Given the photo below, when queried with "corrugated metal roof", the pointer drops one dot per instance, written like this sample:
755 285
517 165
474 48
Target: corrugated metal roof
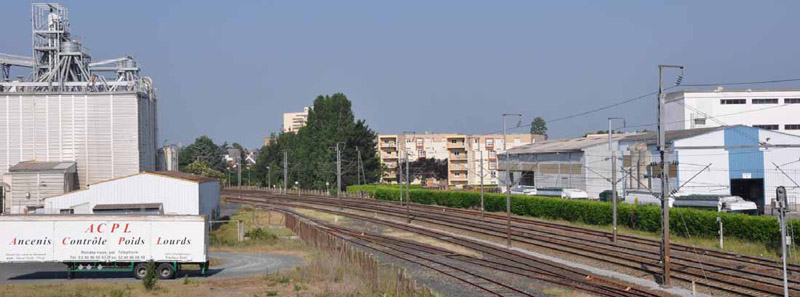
650 137
564 145
127 206
34 166
184 176
578 144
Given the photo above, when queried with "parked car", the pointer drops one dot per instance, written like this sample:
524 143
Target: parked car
523 190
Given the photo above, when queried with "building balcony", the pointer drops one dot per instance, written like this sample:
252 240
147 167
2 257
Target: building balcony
391 165
456 145
388 145
459 157
460 166
388 156
460 177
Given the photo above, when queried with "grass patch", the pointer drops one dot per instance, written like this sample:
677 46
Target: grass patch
731 244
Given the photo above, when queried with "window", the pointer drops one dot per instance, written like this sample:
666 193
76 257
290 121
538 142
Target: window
456 174
408 140
421 153
477 141
791 101
766 127
492 154
453 141
765 101
699 121
490 142
492 165
457 153
494 174
791 127
67 211
732 101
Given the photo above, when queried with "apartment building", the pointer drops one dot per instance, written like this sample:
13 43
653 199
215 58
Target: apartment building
293 121
774 110
463 153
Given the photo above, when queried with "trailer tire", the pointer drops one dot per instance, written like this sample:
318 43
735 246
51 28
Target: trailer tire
165 271
140 270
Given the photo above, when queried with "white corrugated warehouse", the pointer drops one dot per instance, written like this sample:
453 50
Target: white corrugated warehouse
177 192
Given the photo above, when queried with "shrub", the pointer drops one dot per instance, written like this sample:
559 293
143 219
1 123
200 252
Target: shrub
261 235
683 221
151 278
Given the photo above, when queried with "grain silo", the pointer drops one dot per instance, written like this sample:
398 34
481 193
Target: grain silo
101 115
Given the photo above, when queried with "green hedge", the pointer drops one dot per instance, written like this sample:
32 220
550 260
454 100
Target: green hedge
683 221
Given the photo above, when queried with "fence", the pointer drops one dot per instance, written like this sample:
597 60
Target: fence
370 271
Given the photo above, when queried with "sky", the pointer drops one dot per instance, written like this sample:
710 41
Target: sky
230 69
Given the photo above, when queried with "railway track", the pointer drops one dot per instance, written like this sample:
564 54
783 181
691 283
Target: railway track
743 275
507 261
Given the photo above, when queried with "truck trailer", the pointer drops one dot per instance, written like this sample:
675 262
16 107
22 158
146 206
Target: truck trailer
107 243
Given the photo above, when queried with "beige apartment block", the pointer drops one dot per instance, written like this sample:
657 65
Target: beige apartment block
463 153
293 121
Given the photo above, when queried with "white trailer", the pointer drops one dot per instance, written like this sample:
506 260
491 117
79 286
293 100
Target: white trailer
100 243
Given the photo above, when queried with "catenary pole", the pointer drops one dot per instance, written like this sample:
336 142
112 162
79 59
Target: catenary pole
482 203
339 174
408 179
285 174
662 150
613 157
508 180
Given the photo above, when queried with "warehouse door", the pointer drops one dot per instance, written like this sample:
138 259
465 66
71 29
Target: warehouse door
750 190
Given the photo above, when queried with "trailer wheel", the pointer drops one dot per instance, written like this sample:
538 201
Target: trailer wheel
165 271
140 270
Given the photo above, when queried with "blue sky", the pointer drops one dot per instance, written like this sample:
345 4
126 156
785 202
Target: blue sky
229 69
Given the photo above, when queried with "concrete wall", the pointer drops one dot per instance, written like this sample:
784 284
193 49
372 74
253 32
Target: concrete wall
707 104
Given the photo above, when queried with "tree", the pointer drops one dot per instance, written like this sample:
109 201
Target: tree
201 168
539 126
424 168
204 149
312 151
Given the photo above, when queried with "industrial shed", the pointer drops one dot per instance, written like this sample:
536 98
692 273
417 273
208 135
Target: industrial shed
734 160
575 163
28 183
175 192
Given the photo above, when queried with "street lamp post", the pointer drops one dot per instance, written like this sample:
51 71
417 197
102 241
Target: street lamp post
613 178
508 179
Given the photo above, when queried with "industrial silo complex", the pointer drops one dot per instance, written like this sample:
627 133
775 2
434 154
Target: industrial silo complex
99 115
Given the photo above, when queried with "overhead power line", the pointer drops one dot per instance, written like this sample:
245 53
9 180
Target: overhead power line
636 98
